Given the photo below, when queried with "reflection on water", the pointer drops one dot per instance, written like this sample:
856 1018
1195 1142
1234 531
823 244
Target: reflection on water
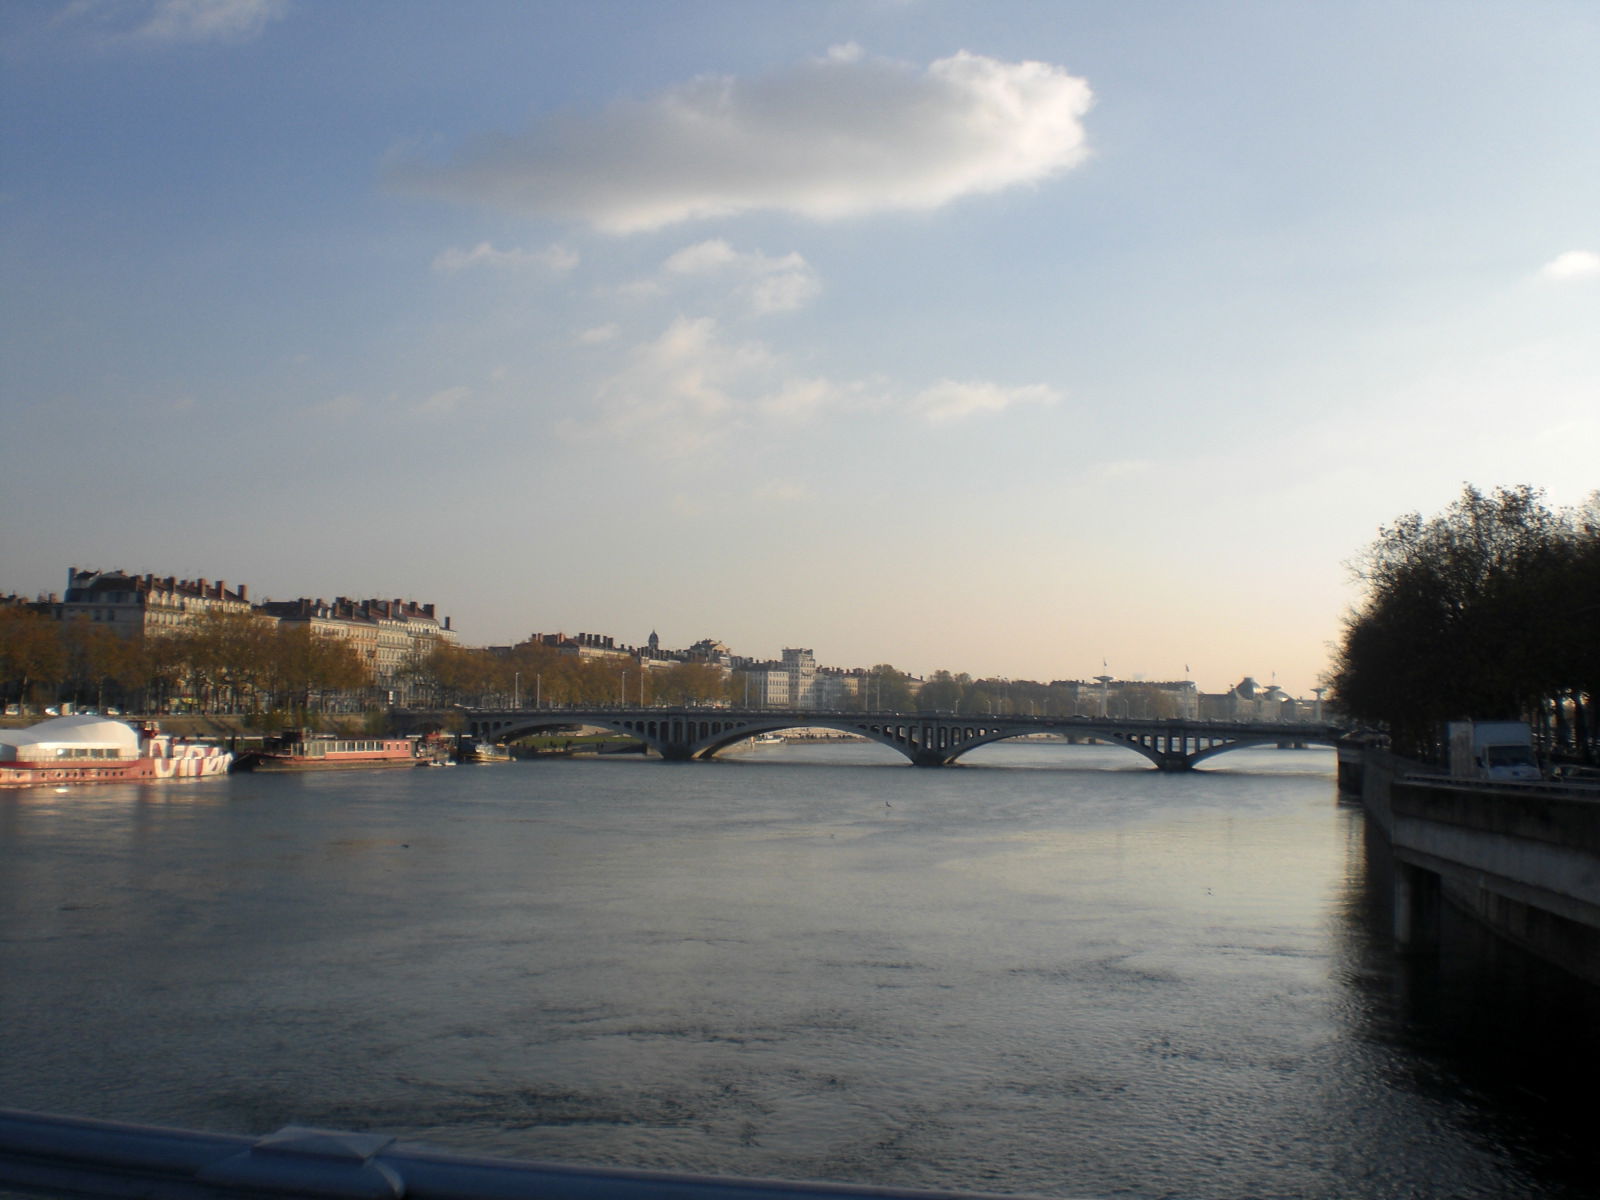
1050 971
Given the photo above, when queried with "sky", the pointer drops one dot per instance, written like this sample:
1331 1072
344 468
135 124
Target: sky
1026 339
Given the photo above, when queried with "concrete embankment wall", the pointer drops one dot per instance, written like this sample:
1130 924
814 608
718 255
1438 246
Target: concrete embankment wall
211 727
1522 859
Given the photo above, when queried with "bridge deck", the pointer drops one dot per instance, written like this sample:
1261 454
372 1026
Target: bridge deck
926 739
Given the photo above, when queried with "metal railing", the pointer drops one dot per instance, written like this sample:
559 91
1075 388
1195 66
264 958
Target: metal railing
49 1155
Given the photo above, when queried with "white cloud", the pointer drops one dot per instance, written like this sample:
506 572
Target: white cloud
801 399
682 389
836 136
690 387
949 400
556 259
1574 264
701 258
783 291
178 21
768 284
1120 469
598 335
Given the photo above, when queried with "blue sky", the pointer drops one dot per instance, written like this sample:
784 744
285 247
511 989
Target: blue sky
1010 338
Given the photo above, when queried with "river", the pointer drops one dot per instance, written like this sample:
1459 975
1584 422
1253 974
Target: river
1049 971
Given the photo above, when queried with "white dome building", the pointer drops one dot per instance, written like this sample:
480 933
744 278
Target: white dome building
70 737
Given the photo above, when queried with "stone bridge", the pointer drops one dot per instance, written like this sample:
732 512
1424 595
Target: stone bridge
926 739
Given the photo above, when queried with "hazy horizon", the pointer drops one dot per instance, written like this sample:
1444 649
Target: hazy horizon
1010 339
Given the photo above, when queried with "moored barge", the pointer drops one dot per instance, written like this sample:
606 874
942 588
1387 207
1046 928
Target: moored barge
302 750
85 749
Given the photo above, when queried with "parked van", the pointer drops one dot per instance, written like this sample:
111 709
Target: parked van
1501 750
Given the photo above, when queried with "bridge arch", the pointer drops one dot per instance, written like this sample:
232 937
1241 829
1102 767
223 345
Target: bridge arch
1005 735
1246 743
1166 753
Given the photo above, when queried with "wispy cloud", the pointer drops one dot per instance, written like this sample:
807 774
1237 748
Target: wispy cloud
949 400
691 387
1574 264
1116 469
598 334
556 259
837 136
765 283
177 21
800 400
683 388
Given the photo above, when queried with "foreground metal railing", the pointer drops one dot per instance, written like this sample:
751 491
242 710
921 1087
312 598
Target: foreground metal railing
75 1156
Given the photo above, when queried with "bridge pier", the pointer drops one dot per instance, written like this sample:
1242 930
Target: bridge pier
1416 908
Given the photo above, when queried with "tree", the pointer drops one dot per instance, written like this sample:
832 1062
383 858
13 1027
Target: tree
687 683
31 652
102 666
306 666
888 690
1485 611
942 692
228 657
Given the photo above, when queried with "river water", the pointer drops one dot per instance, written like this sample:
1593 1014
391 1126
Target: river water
1049 971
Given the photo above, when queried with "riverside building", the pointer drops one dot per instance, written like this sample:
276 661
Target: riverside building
138 606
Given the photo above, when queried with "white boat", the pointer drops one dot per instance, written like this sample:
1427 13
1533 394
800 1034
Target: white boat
93 749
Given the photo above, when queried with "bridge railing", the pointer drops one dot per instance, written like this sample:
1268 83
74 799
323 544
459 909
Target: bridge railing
61 1156
801 714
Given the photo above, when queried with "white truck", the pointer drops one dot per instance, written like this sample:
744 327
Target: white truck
1499 750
